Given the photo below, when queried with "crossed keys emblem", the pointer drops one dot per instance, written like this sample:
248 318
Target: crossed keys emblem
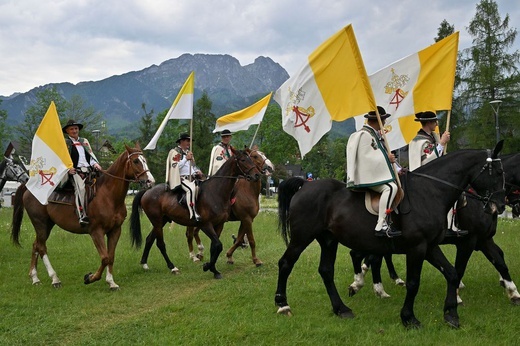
301 114
46 175
394 87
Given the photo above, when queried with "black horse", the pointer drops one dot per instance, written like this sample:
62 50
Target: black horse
328 212
12 171
481 229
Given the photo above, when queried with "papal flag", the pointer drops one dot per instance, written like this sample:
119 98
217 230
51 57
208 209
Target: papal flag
50 158
419 82
332 85
242 119
182 108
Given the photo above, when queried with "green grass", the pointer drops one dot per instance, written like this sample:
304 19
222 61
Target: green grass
157 308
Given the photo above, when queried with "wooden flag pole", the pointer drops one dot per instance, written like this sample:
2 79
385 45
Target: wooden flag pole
447 129
191 143
254 137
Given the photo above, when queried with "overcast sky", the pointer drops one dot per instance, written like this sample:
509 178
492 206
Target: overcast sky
52 41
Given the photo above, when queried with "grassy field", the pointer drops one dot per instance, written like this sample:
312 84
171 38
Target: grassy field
158 308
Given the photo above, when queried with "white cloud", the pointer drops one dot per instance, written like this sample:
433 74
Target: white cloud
71 41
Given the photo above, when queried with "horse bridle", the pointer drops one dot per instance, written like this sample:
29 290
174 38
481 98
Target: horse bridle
468 190
128 163
11 166
244 175
263 162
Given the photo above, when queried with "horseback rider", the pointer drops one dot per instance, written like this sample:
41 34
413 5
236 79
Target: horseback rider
427 146
369 165
220 152
181 169
83 161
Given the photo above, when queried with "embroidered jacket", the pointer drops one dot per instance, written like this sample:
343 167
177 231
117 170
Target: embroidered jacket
423 149
219 155
368 163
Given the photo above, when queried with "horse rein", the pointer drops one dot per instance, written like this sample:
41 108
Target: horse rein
243 176
136 179
469 191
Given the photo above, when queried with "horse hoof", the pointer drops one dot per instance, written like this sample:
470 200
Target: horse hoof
400 282
284 310
452 321
175 271
195 259
145 266
37 283
199 257
412 324
217 276
114 288
205 267
346 314
86 278
515 301
351 291
230 261
56 285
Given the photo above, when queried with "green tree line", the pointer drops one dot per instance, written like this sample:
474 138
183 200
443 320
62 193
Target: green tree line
487 71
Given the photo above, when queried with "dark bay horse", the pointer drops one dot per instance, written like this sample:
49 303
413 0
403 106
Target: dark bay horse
328 212
481 229
12 171
244 208
106 211
163 205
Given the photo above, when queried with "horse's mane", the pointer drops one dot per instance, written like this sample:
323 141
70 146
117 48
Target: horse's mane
2 165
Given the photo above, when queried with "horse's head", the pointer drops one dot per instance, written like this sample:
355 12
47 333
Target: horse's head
490 182
263 164
246 165
137 168
15 172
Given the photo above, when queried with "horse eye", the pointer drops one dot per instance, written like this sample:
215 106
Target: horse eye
135 161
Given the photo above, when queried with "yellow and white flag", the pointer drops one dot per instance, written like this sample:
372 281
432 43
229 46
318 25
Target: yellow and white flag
241 120
332 85
182 108
420 82
50 158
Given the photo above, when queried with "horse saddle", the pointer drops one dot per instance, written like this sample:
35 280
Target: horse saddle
65 194
372 199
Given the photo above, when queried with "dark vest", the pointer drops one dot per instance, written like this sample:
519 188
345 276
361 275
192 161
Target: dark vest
73 151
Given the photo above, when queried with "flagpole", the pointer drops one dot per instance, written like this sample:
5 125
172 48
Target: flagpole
447 129
254 137
191 142
382 130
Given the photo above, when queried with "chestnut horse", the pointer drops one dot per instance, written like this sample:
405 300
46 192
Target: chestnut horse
163 205
245 208
324 210
106 211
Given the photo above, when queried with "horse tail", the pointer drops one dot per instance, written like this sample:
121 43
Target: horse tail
135 220
286 190
18 208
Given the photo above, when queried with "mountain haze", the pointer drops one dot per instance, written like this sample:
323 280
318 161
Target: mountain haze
229 85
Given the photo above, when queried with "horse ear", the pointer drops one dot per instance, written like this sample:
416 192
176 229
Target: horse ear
127 148
497 149
138 145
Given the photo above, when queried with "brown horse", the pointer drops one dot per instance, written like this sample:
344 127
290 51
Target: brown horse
106 211
163 205
245 208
